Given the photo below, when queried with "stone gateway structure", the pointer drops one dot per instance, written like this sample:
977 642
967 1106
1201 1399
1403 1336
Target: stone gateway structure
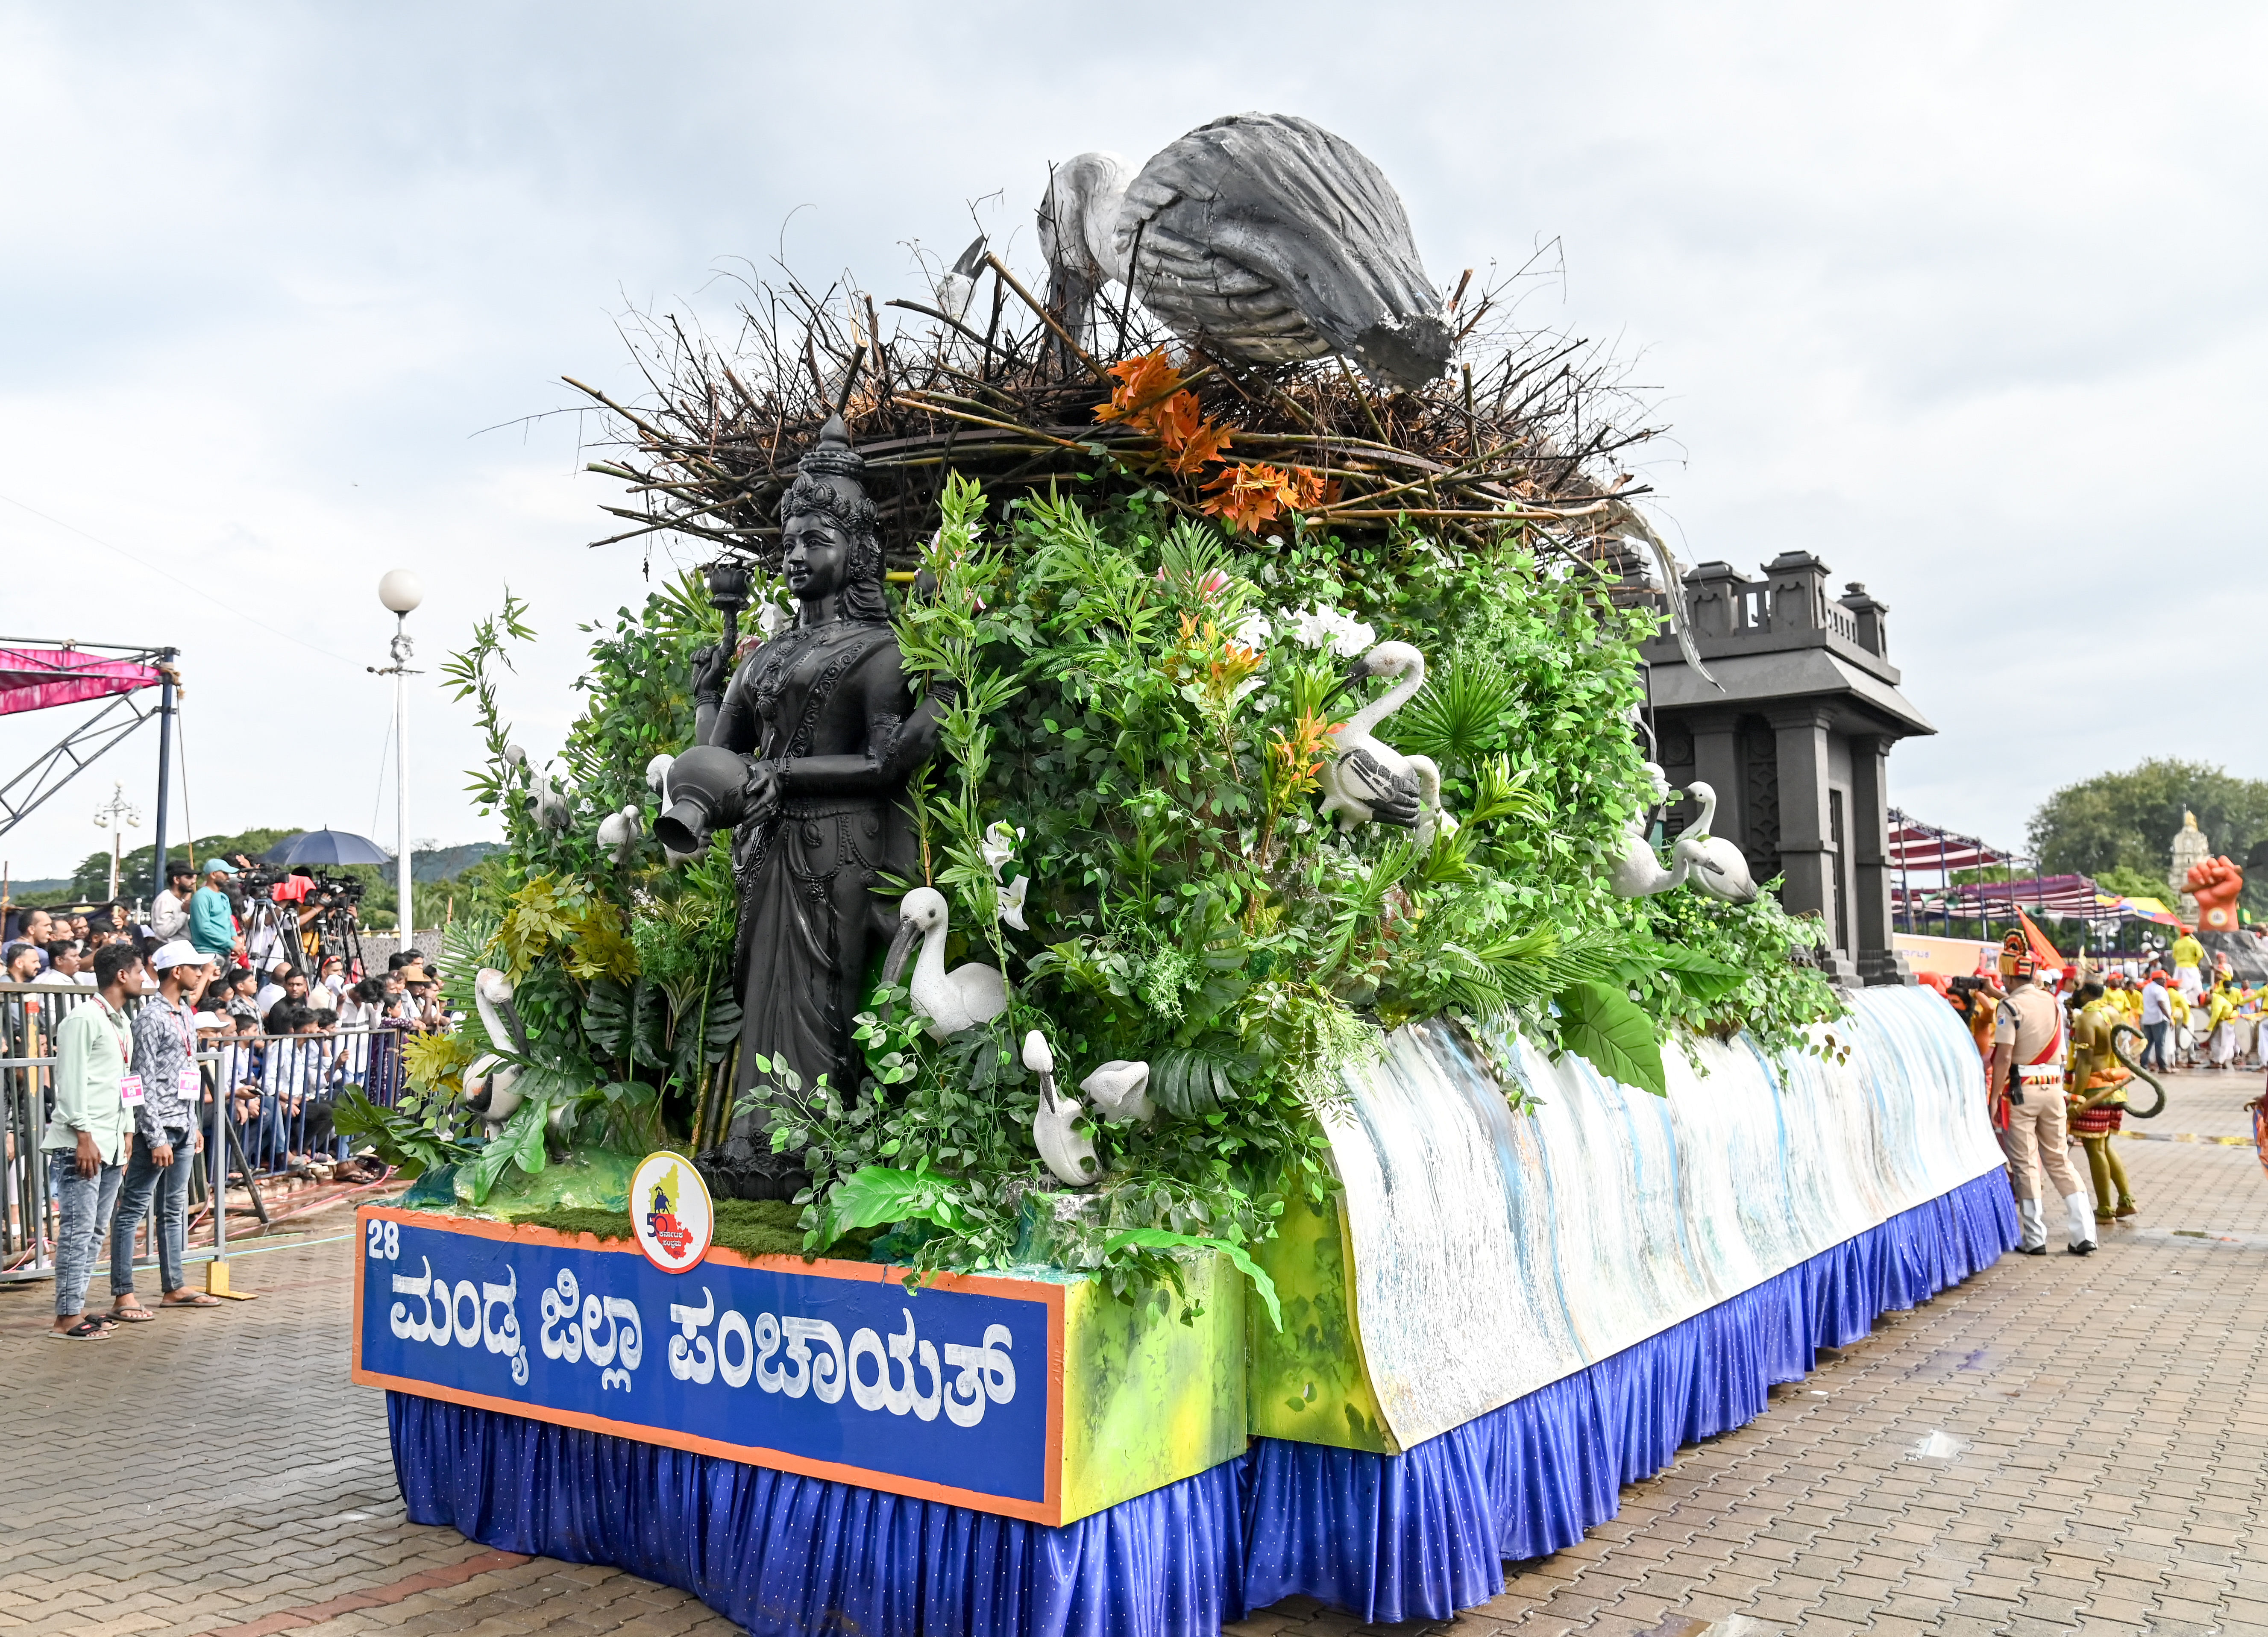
1795 741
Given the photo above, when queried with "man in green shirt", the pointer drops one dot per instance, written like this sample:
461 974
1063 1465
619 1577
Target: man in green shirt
88 1130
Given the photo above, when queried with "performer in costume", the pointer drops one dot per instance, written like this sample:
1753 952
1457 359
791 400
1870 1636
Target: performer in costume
2098 1098
2188 957
824 713
2221 1025
2027 1073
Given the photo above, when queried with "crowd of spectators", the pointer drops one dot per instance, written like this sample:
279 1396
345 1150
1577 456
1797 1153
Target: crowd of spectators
271 1031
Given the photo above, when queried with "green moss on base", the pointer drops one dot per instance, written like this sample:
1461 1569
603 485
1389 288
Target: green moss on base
755 1227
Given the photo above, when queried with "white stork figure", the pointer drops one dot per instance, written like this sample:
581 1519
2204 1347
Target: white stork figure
962 999
488 1078
1715 865
1055 1126
1368 779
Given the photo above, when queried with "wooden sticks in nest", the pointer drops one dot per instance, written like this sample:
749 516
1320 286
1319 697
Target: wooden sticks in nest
1530 438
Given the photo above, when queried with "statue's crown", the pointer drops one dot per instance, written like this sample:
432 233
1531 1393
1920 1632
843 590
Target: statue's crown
832 456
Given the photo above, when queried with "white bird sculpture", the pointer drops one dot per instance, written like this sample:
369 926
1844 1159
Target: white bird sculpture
656 776
553 809
489 1079
956 285
1121 1090
619 832
1055 1126
1638 872
1368 781
1715 865
962 999
1262 236
1433 819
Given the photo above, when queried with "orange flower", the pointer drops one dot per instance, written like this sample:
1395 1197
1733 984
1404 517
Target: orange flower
1299 755
1251 497
1149 397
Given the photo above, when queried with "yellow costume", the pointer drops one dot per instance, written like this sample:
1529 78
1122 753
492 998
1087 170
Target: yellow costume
2097 1101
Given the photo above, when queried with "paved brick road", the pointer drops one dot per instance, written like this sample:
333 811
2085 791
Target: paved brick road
2060 1446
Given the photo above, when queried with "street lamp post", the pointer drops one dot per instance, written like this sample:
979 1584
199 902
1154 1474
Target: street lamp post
401 590
114 815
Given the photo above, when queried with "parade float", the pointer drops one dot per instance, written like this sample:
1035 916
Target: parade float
1131 1047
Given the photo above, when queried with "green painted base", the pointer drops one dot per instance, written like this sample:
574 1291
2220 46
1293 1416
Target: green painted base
1309 1381
1153 1391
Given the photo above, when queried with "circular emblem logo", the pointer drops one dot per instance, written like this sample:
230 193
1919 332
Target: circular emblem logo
670 1211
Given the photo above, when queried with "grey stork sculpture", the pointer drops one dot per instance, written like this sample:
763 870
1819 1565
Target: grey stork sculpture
1261 236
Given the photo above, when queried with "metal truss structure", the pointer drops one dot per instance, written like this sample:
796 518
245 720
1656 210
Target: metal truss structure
116 718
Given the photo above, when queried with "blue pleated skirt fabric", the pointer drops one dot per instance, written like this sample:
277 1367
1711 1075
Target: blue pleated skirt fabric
1415 1535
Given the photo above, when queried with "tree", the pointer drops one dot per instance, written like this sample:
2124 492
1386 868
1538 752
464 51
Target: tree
2128 822
92 876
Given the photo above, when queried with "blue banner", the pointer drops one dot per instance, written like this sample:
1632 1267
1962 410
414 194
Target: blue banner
942 1392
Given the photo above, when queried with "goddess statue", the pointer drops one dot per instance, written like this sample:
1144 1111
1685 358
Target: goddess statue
823 733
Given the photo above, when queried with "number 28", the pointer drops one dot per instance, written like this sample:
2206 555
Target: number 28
385 1241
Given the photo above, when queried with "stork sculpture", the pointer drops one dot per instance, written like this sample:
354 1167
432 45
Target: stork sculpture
962 999
1711 862
1067 1152
1262 236
489 1078
1369 779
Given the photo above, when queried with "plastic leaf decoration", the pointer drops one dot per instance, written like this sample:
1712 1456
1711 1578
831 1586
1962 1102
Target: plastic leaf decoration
1601 1024
1160 1239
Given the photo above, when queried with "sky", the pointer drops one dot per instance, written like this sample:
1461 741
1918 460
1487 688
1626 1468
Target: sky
1966 299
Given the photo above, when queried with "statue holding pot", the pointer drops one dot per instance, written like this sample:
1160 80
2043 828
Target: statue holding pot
804 753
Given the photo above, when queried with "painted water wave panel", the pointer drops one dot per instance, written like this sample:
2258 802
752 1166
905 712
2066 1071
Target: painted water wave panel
1494 1254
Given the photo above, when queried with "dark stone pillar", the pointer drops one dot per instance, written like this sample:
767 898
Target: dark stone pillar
1715 764
1870 881
1806 847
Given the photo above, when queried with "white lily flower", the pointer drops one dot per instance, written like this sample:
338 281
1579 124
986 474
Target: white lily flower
1011 902
999 844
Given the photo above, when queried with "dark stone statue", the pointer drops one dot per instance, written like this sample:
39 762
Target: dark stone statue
823 732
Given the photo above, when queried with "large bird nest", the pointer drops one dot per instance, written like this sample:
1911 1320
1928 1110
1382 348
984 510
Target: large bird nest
1529 433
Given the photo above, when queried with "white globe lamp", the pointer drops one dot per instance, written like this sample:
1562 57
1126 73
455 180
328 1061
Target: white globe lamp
402 590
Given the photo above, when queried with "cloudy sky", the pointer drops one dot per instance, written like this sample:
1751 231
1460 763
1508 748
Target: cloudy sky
1965 298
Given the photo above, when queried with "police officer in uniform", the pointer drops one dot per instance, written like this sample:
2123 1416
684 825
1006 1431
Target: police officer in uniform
2028 1070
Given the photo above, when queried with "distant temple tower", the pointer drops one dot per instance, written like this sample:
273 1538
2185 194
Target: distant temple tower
2190 849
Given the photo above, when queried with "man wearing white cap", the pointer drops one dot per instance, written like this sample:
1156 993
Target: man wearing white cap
165 1132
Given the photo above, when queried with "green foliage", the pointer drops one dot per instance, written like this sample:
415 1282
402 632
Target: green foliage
89 881
1133 708
1599 1022
2132 883
1158 1239
2128 822
621 968
399 1136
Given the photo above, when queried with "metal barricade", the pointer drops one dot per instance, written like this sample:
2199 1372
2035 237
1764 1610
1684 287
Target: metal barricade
266 1111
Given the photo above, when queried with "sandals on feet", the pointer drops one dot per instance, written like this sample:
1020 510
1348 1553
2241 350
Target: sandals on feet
86 1330
196 1299
131 1315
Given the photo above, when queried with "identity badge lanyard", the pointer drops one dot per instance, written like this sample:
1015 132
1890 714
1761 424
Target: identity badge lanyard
129 1084
185 1080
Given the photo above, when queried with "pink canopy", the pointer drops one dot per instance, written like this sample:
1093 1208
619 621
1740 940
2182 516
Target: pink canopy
33 679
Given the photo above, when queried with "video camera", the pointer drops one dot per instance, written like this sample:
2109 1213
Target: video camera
336 892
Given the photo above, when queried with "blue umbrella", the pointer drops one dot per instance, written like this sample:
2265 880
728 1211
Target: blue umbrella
325 847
